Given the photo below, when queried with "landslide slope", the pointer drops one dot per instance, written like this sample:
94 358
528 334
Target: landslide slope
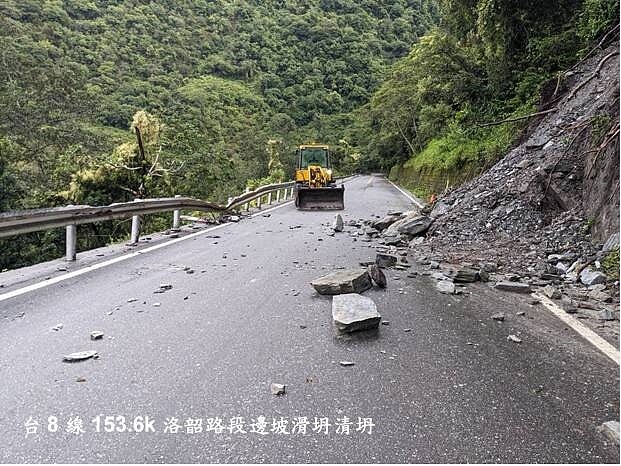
556 192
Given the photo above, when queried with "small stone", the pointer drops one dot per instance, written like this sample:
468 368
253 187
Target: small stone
521 313
516 287
57 327
157 304
385 322
434 265
514 339
79 356
347 363
165 286
446 287
499 317
551 292
385 260
96 335
377 275
406 330
80 379
337 226
606 314
466 275
611 430
278 389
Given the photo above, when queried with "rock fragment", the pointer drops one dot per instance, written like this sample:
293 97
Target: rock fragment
377 275
383 259
516 287
466 275
347 363
352 312
278 389
551 292
498 316
514 339
446 287
611 430
337 226
57 327
79 356
590 277
343 281
96 335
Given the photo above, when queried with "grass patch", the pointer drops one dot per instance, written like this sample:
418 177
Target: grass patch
611 264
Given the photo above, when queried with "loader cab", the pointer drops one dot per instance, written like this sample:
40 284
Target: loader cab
313 155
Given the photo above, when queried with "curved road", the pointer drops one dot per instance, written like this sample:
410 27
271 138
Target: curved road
451 389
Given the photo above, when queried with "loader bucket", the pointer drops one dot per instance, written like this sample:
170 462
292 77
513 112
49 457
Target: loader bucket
329 198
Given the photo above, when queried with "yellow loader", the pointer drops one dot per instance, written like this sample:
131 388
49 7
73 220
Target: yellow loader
315 187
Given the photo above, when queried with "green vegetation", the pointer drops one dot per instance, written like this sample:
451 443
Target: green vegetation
611 264
221 91
486 61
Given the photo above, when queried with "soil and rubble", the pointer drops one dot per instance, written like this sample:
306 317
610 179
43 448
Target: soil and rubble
541 220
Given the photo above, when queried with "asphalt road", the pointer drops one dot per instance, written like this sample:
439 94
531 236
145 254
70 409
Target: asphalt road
452 389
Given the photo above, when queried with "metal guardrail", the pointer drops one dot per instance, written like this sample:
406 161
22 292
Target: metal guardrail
26 221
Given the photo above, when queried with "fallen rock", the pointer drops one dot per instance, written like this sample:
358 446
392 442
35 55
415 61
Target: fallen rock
385 222
499 317
278 389
516 287
416 226
466 275
611 430
337 226
385 260
446 287
347 363
352 312
79 356
377 275
96 335
514 339
343 281
551 292
606 314
57 327
591 277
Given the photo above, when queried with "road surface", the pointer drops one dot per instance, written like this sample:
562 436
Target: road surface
451 389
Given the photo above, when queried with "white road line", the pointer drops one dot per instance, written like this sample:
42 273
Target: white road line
90 268
580 328
408 195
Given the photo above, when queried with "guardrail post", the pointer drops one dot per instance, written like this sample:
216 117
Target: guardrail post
277 196
71 236
290 193
135 228
259 202
269 198
176 217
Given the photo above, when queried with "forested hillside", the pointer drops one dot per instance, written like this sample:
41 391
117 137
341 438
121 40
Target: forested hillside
486 61
220 92
220 87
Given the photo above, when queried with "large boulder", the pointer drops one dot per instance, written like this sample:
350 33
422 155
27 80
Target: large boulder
383 259
352 312
415 226
343 281
393 230
385 222
592 277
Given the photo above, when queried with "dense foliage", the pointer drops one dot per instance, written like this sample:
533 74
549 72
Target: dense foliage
228 85
486 60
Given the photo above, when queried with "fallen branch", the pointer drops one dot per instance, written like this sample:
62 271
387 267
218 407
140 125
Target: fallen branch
595 73
583 59
509 120
610 137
